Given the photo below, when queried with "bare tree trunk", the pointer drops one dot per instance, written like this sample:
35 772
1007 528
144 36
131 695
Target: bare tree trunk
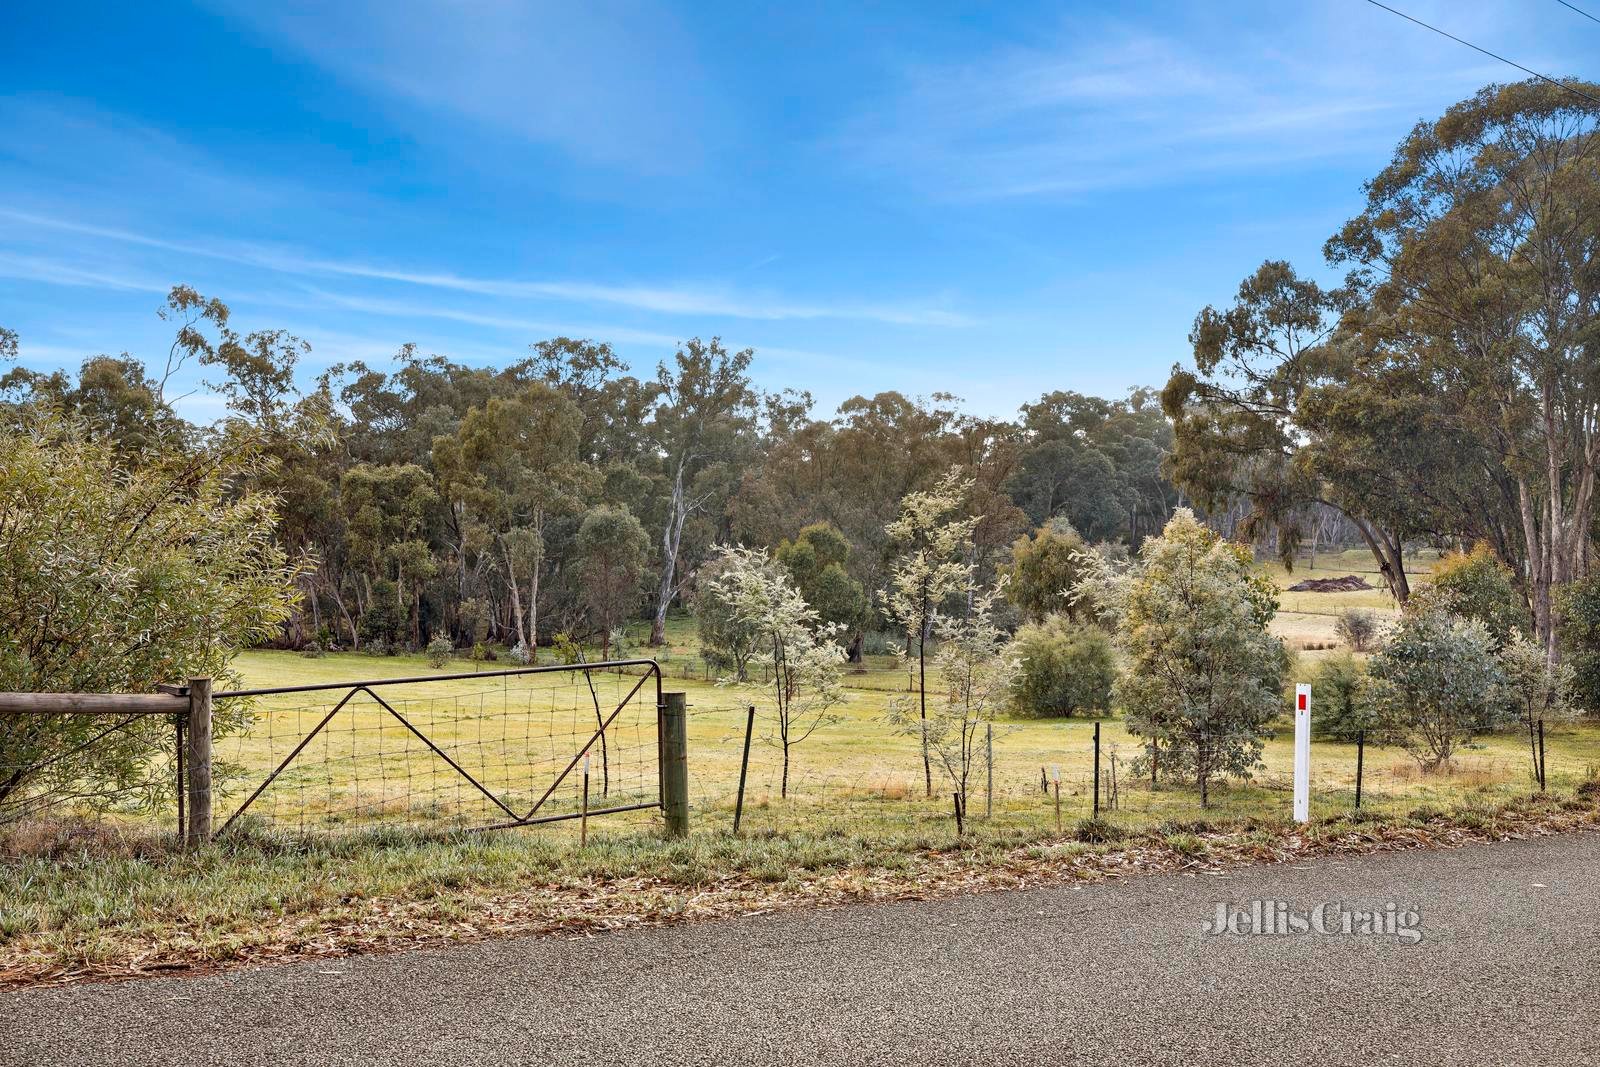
355 636
533 610
1538 575
671 539
1390 556
533 585
516 593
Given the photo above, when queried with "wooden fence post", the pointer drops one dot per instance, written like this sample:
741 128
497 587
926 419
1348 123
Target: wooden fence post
197 772
675 763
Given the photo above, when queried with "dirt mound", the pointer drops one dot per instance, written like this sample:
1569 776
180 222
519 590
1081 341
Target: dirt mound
1348 584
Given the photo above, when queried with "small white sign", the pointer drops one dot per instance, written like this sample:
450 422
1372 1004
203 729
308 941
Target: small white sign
1302 753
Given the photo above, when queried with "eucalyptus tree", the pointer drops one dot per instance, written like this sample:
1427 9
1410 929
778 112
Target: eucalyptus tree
515 464
611 549
703 421
1476 251
817 559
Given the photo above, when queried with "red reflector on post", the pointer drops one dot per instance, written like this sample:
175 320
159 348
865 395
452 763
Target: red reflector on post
1302 699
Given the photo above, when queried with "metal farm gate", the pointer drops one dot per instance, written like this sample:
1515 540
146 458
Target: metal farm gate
481 750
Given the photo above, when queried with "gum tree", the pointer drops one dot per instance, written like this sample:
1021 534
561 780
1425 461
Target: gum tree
1202 676
1475 253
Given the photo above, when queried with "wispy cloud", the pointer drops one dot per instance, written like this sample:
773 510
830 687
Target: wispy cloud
40 269
675 300
609 82
1103 105
397 309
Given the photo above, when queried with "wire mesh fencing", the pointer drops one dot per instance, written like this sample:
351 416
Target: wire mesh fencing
864 774
478 750
510 748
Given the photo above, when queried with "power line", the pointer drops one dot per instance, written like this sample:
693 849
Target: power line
1526 70
1579 10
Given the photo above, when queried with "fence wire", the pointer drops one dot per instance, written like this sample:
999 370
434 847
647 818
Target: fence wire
446 754
864 775
453 752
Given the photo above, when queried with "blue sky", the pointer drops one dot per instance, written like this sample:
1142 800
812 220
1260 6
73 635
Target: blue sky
991 200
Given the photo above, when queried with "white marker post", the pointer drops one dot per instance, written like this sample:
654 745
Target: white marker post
1302 753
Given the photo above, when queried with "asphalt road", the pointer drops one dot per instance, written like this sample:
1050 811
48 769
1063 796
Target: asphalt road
1508 971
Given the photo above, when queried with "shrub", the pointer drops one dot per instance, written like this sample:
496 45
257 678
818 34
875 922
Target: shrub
1339 712
1203 674
313 650
568 649
120 575
1099 831
880 643
1476 585
520 655
439 651
1436 683
376 646
1579 607
1067 668
1358 628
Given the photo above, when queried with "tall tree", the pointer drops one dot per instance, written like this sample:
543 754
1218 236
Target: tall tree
704 417
816 560
612 548
516 463
1476 249
1240 430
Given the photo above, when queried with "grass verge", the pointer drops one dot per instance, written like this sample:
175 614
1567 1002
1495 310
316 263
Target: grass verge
89 902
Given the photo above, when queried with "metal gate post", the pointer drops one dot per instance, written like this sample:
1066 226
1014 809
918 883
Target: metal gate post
675 763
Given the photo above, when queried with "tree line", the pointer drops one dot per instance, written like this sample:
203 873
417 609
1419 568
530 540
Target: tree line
565 493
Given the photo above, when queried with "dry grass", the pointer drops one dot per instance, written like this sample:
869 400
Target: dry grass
112 897
100 910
